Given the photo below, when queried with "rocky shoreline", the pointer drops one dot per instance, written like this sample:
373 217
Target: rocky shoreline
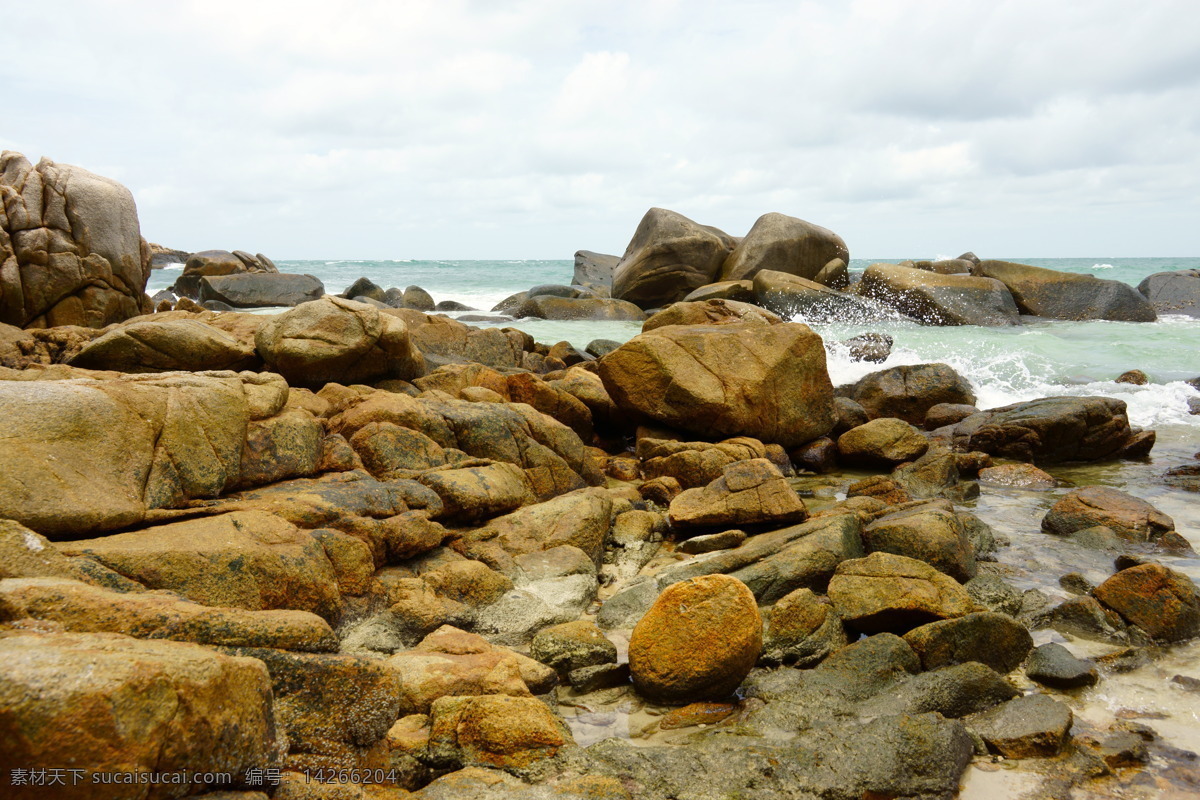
359 549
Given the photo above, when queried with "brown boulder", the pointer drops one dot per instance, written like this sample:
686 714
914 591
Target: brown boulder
71 250
909 391
1068 295
1159 600
684 377
882 442
697 642
1017 476
890 593
802 629
668 257
934 298
749 492
783 244
994 640
710 312
1129 517
478 493
495 731
161 346
929 532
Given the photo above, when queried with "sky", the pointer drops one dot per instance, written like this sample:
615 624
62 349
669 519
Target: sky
530 129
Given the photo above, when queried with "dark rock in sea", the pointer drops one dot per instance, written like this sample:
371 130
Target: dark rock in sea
162 256
601 347
453 305
943 414
668 257
1033 726
1133 376
784 244
365 287
254 290
556 290
415 297
598 677
873 347
1068 295
1083 617
1173 292
909 391
1053 665
554 307
969 256
1055 429
1186 477
594 269
936 299
1076 583
794 297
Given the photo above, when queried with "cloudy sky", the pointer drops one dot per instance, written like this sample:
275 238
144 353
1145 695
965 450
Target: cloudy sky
533 128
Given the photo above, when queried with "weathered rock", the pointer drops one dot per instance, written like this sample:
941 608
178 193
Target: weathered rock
947 266
909 391
882 442
819 455
154 346
995 640
712 542
1055 429
1134 377
571 646
992 593
886 592
1053 665
109 704
1159 600
288 445
508 733
695 463
1175 292
244 559
338 340
601 347
203 264
668 257
579 519
364 287
741 291
944 414
710 312
681 377
929 532
873 347
71 251
416 298
802 629
260 289
749 492
784 244
594 269
847 414
1067 295
697 642
1033 726
478 493
25 554
880 487
793 297
937 299
1131 518
1017 476
595 308
1083 617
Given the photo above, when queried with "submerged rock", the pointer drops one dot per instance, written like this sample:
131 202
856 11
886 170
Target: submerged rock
1033 726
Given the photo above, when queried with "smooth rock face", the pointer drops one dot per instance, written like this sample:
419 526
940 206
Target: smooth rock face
594 269
749 492
783 244
1162 602
154 346
1068 295
937 299
668 257
886 592
550 307
1052 665
930 532
1173 292
1033 726
105 703
741 291
909 391
338 340
71 250
882 442
680 376
1051 430
697 642
1131 518
710 312
995 640
260 289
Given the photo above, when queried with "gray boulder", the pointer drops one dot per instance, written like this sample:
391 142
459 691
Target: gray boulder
594 269
1173 292
1068 295
261 289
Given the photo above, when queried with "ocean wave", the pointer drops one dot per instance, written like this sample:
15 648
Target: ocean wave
1104 266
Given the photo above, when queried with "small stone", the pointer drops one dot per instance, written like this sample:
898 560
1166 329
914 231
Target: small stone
571 646
598 677
1133 376
1033 726
1123 749
725 540
1075 583
1053 665
1017 476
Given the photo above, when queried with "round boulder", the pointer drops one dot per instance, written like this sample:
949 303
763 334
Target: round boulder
882 442
909 391
783 244
697 642
1129 517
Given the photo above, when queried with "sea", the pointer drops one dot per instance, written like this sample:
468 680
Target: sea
1005 365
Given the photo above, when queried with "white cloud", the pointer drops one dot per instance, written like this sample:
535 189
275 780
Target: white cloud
464 128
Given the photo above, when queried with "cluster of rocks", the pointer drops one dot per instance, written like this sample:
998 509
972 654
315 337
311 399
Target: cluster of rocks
370 551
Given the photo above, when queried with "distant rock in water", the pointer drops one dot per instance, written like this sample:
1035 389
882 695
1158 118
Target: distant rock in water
162 256
1068 295
594 269
1173 292
215 263
940 299
785 244
71 250
257 290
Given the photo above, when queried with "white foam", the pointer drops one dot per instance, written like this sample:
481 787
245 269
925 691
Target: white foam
1103 266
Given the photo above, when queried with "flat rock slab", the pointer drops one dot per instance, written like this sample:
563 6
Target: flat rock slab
1033 726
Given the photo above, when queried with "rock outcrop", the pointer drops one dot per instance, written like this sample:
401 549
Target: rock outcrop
1067 295
937 299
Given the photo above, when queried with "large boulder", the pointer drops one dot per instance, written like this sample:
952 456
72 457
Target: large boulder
890 593
909 391
1173 292
152 345
783 244
594 270
1054 429
882 442
71 250
1131 518
929 532
668 257
697 642
769 382
203 264
1067 295
794 297
937 299
109 705
995 640
333 339
751 492
261 289
593 308
710 312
